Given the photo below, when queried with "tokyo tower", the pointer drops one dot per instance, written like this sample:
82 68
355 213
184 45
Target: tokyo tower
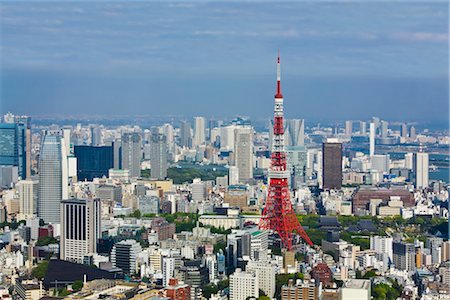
278 214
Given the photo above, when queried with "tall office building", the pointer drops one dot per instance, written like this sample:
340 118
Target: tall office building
124 255
66 133
233 175
168 132
295 133
404 130
332 165
380 162
15 147
168 269
384 129
243 152
185 134
404 256
372 139
412 133
199 131
53 176
80 228
93 161
28 198
158 156
265 273
243 285
420 169
362 127
348 128
132 153
96 136
296 160
382 244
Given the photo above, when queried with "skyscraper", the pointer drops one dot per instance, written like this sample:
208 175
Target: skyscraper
131 153
332 165
199 131
93 161
404 256
96 136
80 228
28 198
384 129
295 132
13 146
348 128
158 156
372 139
404 130
420 169
362 127
53 176
243 151
185 134
412 133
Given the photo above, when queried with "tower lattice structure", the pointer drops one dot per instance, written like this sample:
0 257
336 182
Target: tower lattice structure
278 214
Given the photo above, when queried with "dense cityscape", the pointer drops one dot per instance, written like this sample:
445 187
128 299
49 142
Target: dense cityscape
224 150
213 209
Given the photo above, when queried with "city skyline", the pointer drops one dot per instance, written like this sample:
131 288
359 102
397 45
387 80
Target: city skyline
74 59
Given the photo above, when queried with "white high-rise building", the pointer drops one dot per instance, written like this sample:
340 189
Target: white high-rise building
362 127
382 244
199 131
198 190
227 137
372 139
168 268
348 128
266 276
28 198
295 133
420 165
243 285
168 131
233 175
380 162
243 152
80 228
409 161
53 176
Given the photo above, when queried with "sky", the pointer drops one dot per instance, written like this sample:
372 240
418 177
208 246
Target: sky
340 60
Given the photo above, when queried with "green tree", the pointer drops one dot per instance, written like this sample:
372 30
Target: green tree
46 240
136 214
209 290
40 270
77 285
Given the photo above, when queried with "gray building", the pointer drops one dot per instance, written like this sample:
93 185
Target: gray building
124 255
53 177
80 228
185 134
132 153
404 256
158 156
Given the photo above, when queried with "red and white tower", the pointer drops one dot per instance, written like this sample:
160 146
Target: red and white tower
278 214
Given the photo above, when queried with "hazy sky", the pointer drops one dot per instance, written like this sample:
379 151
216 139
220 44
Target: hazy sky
348 60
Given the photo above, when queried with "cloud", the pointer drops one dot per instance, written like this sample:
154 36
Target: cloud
420 36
